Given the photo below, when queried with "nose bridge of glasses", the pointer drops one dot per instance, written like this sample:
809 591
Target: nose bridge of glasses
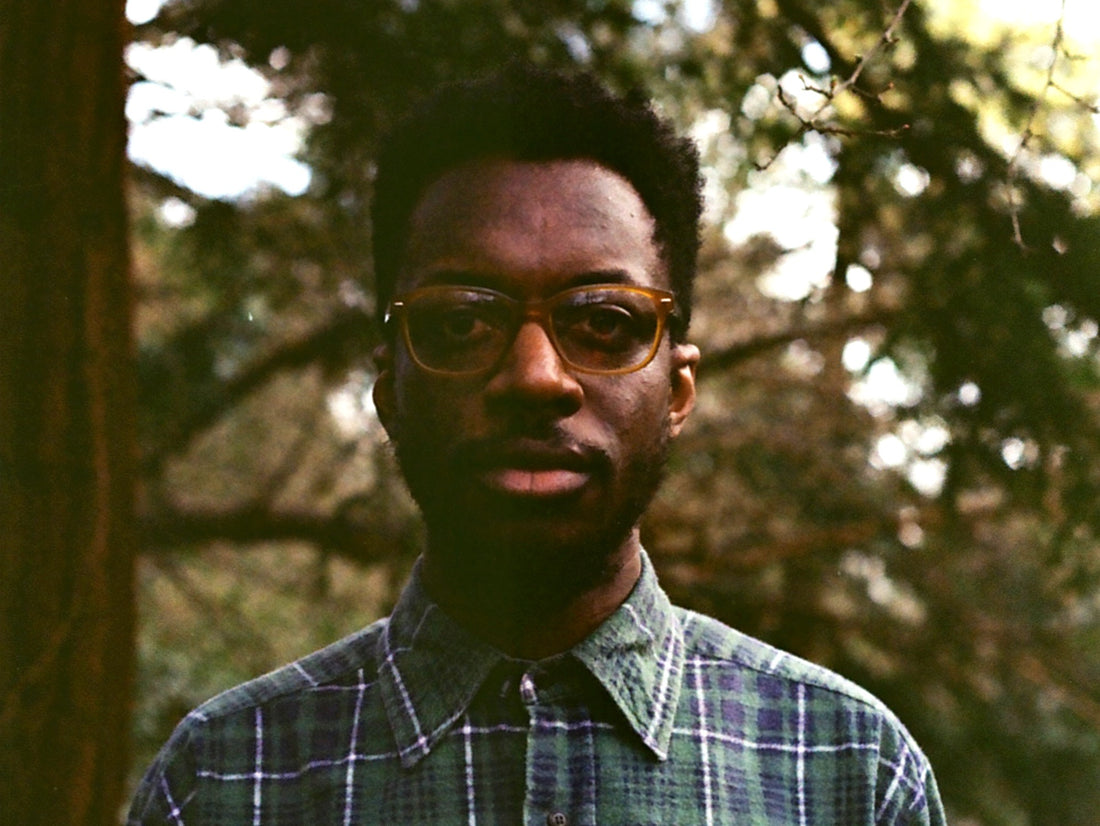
536 313
534 330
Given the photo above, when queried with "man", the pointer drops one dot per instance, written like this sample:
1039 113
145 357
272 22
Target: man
535 242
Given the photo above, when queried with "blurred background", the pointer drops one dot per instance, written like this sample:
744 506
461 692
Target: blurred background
894 464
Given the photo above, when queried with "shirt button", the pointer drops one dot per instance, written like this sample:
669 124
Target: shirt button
527 689
557 819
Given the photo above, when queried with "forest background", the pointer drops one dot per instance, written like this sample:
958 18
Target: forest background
892 470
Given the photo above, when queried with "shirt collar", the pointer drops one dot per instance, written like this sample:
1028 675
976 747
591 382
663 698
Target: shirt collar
430 668
637 654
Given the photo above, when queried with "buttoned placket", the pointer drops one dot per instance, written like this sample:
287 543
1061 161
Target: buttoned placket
561 783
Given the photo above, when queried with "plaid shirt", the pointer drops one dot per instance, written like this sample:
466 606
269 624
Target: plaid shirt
661 716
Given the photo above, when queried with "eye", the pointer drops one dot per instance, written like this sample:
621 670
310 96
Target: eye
462 323
606 321
606 326
445 325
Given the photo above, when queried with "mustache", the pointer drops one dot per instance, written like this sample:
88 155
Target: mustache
546 450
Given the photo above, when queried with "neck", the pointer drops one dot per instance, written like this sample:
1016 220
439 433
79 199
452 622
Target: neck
525 612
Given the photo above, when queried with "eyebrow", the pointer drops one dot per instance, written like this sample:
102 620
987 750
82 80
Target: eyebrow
612 276
498 282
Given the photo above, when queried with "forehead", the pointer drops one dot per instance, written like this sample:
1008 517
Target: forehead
531 224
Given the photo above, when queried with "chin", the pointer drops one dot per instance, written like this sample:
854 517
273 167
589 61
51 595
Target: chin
533 547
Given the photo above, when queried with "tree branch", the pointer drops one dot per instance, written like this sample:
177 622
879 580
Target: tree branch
1057 53
733 355
345 333
814 122
364 529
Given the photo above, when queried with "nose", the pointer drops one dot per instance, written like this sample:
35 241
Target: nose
534 374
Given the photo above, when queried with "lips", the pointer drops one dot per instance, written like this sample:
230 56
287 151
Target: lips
535 469
534 483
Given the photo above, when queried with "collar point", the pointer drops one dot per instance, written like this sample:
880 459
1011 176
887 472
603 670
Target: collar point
658 745
410 757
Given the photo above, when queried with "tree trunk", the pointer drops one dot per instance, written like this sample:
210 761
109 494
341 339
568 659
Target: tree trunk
66 415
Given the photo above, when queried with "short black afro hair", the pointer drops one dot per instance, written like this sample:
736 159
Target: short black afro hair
530 114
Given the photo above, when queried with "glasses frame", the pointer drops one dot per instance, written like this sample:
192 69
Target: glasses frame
538 311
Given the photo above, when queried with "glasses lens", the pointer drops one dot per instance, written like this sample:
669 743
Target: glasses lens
606 328
457 330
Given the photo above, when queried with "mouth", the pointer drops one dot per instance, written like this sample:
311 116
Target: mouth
546 483
536 470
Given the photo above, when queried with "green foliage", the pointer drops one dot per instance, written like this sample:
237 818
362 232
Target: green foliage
938 545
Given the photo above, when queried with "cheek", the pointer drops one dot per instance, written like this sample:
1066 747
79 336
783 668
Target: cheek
636 412
433 411
652 396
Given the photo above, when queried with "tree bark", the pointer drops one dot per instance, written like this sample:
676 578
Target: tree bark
67 539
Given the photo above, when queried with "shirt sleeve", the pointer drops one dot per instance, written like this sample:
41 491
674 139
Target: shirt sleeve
168 785
932 812
908 794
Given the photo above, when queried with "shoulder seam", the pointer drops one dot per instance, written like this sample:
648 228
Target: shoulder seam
846 688
259 691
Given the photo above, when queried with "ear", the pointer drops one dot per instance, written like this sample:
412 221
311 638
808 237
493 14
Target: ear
683 363
383 392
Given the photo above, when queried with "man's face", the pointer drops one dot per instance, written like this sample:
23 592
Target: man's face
531 464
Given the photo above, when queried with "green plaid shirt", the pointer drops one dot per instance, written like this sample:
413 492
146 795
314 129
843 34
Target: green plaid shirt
662 716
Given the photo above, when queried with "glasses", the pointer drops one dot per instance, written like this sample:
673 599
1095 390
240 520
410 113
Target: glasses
605 329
